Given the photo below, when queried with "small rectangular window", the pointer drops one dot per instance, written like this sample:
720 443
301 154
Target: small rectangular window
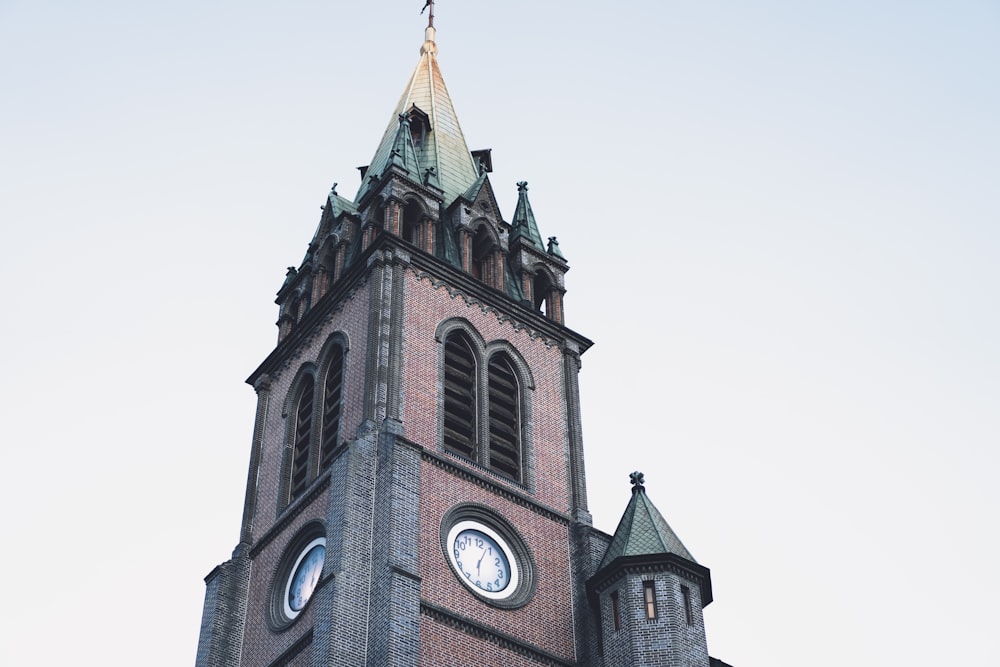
649 598
616 613
687 604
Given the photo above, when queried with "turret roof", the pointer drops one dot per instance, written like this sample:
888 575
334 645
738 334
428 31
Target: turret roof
642 530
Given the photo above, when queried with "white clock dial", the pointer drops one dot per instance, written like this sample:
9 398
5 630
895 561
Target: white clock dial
483 559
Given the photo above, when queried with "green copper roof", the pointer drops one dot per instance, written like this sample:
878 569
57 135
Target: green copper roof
643 530
524 223
444 150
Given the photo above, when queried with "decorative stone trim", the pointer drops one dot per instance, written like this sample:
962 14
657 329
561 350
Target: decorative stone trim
501 314
479 631
482 479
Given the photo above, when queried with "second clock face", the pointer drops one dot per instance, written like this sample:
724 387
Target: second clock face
482 559
305 576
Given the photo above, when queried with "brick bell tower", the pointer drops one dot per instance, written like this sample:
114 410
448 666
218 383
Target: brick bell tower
416 491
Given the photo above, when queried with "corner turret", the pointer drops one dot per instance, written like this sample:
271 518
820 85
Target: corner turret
648 592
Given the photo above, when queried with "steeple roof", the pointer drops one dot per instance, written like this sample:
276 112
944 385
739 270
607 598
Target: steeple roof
642 530
443 150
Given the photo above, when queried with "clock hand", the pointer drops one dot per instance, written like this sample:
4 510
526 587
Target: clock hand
480 561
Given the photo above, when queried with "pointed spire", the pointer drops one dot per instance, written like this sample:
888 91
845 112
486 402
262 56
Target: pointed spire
524 225
643 530
404 154
441 146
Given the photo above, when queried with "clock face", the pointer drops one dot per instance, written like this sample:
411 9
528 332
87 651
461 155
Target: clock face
304 577
482 559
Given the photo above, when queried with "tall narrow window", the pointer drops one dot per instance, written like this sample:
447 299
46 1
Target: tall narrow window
332 390
505 433
616 612
302 438
459 395
411 218
686 592
649 598
482 256
541 289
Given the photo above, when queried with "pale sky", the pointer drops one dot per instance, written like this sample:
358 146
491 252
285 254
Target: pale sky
783 224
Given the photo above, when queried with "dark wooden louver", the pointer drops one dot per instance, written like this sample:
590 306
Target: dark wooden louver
332 389
505 433
459 396
303 436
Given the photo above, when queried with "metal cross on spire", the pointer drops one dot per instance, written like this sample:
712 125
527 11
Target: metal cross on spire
430 16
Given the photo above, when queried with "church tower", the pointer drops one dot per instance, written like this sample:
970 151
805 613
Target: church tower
416 492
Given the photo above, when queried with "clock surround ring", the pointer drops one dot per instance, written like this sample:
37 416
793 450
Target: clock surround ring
299 554
471 518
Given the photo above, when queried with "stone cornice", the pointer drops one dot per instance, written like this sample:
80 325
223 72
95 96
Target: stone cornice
473 291
439 273
485 482
650 563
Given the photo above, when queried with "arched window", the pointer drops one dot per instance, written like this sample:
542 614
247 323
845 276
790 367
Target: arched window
459 395
505 430
332 392
302 436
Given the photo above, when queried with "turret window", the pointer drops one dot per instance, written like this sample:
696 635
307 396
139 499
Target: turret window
301 439
616 612
649 599
686 592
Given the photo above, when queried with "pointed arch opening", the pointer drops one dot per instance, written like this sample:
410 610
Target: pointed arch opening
412 215
483 255
302 438
541 289
504 415
459 395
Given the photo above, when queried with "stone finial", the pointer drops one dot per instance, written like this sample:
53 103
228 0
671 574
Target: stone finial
333 189
522 186
638 480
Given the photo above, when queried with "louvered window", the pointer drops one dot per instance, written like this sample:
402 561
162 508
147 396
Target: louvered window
459 396
303 436
332 391
505 439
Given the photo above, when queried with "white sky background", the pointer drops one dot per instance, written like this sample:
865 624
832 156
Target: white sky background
782 219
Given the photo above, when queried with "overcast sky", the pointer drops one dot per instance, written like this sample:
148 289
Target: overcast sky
783 224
